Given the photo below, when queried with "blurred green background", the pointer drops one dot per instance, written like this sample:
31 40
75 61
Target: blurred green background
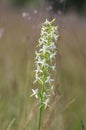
20 24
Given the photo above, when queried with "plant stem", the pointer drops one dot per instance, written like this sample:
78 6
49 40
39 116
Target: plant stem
40 117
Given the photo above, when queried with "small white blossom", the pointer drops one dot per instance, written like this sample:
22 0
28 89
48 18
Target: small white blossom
46 103
35 93
38 70
49 80
53 67
41 62
52 45
37 55
52 56
46 22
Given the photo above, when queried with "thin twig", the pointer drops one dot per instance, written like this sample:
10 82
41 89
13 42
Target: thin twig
10 124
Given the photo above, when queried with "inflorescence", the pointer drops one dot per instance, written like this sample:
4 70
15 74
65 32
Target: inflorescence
45 63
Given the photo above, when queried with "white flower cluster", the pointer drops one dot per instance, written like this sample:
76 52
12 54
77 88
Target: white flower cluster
45 62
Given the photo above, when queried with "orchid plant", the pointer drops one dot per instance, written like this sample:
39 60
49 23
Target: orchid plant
45 65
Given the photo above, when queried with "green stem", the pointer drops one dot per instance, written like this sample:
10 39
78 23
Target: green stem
41 108
40 118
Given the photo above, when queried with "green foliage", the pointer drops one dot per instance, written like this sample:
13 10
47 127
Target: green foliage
21 3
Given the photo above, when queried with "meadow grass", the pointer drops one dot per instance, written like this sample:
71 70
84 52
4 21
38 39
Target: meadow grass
17 48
